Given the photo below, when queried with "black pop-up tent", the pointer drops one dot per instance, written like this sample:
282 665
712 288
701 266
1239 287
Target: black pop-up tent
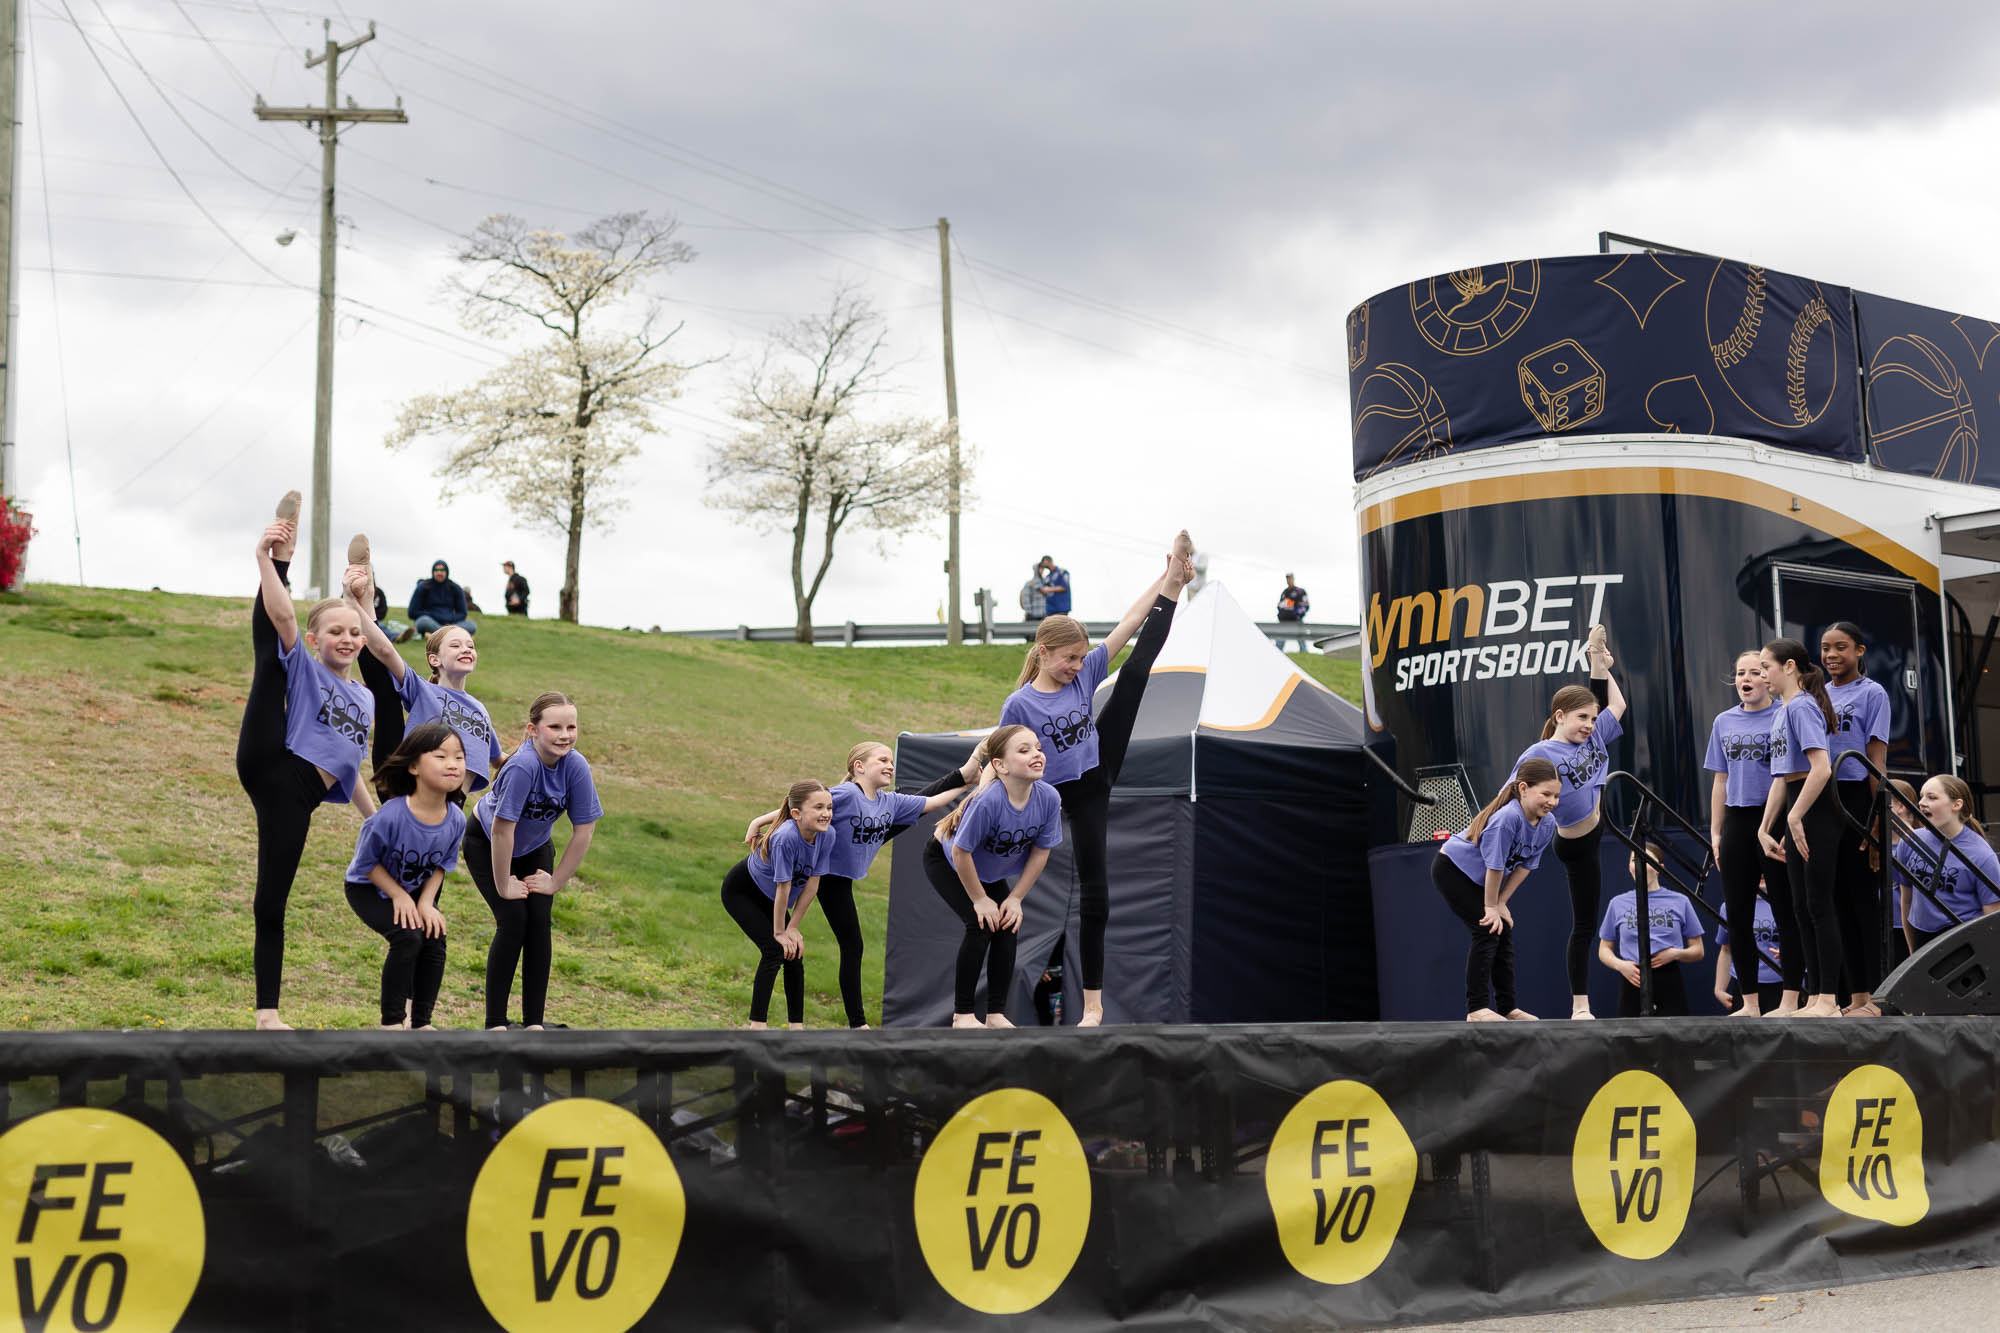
1238 851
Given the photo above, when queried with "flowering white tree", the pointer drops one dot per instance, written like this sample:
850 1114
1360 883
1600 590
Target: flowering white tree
805 455
548 428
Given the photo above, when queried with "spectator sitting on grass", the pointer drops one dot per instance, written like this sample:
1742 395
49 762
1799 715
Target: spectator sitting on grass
438 602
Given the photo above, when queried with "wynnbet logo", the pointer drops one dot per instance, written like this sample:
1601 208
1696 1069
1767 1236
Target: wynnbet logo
1514 610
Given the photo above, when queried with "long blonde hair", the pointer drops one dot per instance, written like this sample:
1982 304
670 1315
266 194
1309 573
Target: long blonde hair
996 745
431 643
795 799
1532 773
1053 633
860 752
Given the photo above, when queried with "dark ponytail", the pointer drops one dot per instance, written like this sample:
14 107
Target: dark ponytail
1811 678
1534 772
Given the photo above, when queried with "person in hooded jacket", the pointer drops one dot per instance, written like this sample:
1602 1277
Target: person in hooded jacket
438 602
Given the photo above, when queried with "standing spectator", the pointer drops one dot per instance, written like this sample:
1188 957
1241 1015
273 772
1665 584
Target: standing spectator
1292 607
1054 587
517 591
438 602
1034 606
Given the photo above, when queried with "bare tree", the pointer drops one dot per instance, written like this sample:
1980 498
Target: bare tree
805 456
548 428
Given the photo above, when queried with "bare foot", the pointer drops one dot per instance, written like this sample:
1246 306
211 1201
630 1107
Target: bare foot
1484 1016
1522 1016
395 1027
756 1025
288 512
1581 1013
796 1027
965 1021
997 1021
534 1027
1746 1012
267 1019
1092 1017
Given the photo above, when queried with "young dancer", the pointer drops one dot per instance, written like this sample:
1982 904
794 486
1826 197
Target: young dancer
1810 846
404 852
1739 754
1673 936
1053 699
305 726
794 855
509 850
1947 803
1861 716
866 814
1768 991
1583 723
1004 828
1477 871
452 656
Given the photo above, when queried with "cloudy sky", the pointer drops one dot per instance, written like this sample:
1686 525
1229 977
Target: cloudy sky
1163 213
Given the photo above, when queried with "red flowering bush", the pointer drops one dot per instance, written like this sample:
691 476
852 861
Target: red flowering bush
16 527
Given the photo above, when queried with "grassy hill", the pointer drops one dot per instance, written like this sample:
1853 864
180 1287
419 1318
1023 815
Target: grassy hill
128 848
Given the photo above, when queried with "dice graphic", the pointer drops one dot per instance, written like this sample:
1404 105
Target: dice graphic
1562 385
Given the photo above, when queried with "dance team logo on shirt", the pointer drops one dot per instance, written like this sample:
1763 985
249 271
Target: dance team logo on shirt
338 712
1658 918
1871 1161
1843 717
1067 729
867 830
540 809
1513 610
412 865
1780 747
1751 746
1010 842
1585 764
467 721
1633 1165
1339 1175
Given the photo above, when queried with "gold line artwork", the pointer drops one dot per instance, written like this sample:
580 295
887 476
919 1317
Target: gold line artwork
1405 405
1915 390
1978 334
1683 407
1357 336
1562 385
1802 354
1649 280
1478 308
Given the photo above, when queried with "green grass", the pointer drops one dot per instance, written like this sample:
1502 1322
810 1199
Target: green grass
128 857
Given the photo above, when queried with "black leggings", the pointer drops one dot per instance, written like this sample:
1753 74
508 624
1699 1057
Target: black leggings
994 948
753 912
1670 999
520 927
1582 865
836 904
388 709
1812 880
1489 963
284 791
414 969
1857 897
1086 798
1743 864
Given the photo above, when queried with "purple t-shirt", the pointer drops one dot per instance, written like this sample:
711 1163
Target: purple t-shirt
1765 927
1960 889
1739 747
1861 711
409 849
1062 719
1507 841
428 701
533 795
1796 727
1670 919
860 825
326 718
1582 766
791 860
1001 837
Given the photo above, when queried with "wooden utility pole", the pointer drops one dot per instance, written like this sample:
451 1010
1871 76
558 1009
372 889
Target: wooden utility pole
954 627
10 177
327 120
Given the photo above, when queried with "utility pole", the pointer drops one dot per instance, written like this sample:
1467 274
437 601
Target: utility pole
954 632
327 120
10 174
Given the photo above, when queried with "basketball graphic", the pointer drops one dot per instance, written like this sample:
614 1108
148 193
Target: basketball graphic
1398 417
1473 310
1775 344
1920 415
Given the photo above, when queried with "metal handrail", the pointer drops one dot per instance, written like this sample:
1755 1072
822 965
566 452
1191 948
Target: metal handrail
1881 814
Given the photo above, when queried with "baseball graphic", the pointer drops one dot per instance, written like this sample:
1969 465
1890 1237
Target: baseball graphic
1775 345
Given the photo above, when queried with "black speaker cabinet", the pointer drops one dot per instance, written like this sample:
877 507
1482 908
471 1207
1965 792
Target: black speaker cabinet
1956 973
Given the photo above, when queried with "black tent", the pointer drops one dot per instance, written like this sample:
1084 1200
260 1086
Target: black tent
1238 850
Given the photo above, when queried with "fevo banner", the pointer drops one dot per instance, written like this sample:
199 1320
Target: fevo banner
1634 1164
1003 1202
1872 1151
574 1221
105 1226
1339 1176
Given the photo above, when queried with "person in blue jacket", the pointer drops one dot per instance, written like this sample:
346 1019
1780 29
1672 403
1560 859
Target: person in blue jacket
437 602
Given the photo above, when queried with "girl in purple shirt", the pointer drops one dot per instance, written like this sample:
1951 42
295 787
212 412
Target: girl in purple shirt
400 860
793 857
305 726
1739 754
1810 815
1861 722
1673 936
1966 879
1477 871
1583 723
1053 698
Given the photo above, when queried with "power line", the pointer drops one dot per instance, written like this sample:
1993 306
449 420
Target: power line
55 303
189 434
158 277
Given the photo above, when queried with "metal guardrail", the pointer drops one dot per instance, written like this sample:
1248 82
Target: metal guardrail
1328 638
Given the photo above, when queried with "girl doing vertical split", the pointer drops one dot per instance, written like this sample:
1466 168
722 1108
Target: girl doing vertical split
1739 754
305 725
1004 828
510 852
1084 751
1583 723
1861 722
404 852
1478 869
1947 803
1810 814
768 892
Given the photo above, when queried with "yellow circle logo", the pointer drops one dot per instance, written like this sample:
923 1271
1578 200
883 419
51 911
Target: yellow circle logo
574 1221
1339 1176
1634 1165
1871 1160
1003 1202
107 1228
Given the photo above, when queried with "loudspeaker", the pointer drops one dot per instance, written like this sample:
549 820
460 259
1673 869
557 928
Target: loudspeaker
1956 973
